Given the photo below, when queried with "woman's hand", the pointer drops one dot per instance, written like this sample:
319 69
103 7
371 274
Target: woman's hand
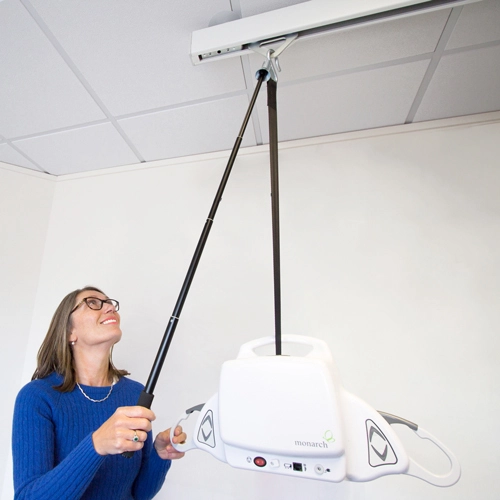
163 443
118 433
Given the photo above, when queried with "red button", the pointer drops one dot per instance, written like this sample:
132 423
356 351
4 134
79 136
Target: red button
259 461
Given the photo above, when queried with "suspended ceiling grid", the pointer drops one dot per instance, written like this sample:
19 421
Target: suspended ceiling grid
87 85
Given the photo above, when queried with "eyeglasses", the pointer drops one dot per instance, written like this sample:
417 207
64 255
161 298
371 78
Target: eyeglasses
96 304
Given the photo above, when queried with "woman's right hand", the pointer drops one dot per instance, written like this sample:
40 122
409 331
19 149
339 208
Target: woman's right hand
117 434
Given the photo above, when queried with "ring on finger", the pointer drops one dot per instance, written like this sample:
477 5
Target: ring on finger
136 437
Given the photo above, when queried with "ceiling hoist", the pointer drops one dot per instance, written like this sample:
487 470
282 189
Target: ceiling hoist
289 414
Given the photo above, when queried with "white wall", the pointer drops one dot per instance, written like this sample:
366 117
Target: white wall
390 247
25 201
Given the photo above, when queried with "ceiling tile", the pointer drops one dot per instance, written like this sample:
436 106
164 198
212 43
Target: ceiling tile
135 55
478 23
189 130
13 157
358 101
253 7
79 150
360 46
39 92
464 83
73 69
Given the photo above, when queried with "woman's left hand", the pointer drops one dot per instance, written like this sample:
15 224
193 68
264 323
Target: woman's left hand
163 443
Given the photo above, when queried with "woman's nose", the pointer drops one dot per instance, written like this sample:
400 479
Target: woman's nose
108 307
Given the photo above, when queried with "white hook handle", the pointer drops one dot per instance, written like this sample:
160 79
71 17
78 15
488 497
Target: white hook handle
189 442
443 480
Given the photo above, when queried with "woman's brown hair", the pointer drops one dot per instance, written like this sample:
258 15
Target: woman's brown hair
55 353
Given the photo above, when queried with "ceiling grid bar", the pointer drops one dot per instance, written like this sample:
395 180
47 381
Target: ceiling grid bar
435 59
66 58
58 130
358 69
184 104
468 48
24 155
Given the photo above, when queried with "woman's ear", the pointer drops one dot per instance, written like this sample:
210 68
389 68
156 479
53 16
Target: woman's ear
72 337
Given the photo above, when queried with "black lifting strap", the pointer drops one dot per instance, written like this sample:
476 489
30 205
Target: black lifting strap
273 153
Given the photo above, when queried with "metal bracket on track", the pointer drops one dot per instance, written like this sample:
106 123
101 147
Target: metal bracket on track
271 50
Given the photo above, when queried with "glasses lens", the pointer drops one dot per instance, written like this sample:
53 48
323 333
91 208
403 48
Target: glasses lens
94 303
114 303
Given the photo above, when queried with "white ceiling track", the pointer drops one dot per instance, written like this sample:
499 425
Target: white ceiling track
235 38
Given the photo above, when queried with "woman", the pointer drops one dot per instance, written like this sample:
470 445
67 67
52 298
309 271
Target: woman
77 416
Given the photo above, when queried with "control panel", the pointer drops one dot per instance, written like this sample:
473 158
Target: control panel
321 468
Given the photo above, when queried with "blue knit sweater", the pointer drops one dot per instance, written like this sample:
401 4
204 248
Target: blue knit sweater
53 453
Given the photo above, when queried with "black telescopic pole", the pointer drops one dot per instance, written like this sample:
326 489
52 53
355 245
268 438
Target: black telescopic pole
146 396
273 153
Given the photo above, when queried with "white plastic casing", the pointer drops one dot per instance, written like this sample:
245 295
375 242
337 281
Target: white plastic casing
268 404
290 415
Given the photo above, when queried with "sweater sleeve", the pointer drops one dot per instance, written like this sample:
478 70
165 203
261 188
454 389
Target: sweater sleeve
153 472
36 475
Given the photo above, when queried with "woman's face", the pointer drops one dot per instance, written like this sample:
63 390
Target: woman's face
93 327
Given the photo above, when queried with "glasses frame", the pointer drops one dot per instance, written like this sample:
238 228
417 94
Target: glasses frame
113 302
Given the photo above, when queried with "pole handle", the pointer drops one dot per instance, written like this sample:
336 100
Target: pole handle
145 400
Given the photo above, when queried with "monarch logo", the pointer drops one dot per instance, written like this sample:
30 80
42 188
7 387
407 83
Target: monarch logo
206 434
311 444
328 436
380 451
